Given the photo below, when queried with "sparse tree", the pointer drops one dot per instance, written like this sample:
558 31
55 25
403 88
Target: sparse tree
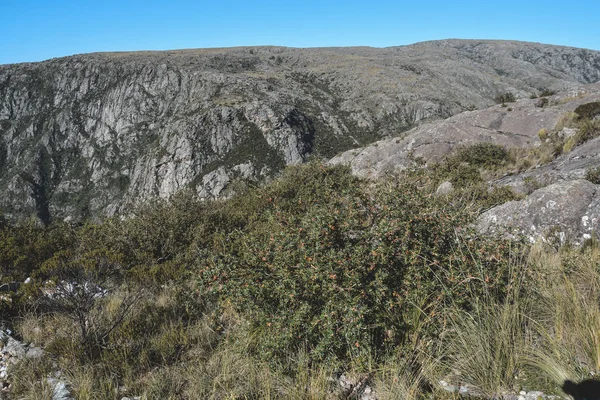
81 288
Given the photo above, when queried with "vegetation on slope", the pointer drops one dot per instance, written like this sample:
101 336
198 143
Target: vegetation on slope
273 292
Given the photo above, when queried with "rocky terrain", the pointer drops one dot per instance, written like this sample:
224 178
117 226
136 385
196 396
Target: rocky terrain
566 212
560 206
515 125
96 134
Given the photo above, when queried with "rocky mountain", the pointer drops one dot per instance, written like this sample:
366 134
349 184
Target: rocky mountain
510 125
96 134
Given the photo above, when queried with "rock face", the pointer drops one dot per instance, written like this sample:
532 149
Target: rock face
569 166
516 125
95 134
562 212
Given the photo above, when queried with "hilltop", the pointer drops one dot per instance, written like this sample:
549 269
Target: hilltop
97 134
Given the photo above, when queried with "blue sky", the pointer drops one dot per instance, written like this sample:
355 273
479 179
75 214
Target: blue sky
33 30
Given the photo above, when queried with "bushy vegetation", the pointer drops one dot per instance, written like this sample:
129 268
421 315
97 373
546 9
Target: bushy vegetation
504 98
543 93
275 291
593 175
464 166
588 110
338 269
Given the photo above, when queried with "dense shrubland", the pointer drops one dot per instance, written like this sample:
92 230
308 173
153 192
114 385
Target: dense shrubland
271 293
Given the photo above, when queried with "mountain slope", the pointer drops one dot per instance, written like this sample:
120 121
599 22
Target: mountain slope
96 134
516 125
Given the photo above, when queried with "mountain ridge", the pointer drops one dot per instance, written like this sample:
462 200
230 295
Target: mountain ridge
96 134
281 47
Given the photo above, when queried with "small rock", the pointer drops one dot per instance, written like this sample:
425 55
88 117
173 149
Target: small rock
541 103
566 133
345 382
34 352
535 394
60 391
447 387
14 348
444 189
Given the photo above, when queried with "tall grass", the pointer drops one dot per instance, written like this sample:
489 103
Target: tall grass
568 316
486 346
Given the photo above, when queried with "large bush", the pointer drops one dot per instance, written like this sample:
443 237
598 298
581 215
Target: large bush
342 266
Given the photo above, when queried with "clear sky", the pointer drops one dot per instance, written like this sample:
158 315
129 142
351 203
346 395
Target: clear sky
33 30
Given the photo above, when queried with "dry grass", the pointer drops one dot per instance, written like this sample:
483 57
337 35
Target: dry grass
568 316
29 379
484 347
566 120
537 340
405 378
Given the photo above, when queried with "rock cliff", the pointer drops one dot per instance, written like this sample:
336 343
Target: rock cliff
95 134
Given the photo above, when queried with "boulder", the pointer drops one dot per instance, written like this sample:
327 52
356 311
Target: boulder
444 189
565 212
541 103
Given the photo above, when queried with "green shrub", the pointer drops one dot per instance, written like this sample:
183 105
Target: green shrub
485 155
24 247
342 271
547 92
503 98
593 175
588 110
463 167
587 129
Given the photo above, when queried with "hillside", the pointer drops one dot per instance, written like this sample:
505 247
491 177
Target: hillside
513 125
92 135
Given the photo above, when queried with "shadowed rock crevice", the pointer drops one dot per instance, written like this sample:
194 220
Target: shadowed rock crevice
584 390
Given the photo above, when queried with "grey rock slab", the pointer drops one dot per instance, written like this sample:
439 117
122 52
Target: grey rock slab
565 211
517 128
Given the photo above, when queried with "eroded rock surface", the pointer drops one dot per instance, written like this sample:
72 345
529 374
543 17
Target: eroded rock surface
96 134
515 125
562 212
569 166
